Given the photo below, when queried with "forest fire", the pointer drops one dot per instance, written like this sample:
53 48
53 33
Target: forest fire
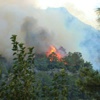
57 52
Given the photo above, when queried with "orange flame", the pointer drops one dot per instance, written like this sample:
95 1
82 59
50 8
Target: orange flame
51 50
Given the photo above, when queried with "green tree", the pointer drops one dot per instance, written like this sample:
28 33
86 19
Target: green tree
74 61
19 84
41 62
59 86
54 62
43 83
89 82
74 93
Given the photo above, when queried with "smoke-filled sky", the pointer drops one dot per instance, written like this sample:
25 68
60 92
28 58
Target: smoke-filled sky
40 27
83 9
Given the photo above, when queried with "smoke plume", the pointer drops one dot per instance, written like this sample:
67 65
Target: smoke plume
36 36
42 28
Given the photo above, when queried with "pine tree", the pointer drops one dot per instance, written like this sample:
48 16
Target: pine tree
89 82
59 86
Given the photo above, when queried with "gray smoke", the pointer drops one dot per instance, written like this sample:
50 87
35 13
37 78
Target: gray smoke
36 36
42 28
18 18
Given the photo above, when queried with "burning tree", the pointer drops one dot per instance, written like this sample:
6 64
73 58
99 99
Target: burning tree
58 53
52 59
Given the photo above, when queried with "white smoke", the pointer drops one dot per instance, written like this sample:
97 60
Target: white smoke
41 28
50 26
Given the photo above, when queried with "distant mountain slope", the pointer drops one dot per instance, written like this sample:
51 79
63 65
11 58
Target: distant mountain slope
90 37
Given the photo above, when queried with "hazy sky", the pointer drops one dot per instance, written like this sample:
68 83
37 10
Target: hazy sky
83 9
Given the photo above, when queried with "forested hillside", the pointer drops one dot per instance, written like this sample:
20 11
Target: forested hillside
40 77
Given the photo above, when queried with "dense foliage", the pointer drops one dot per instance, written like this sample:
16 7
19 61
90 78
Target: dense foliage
89 82
19 83
36 77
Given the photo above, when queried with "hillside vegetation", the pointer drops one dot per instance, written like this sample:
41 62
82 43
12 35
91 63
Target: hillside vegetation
35 77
